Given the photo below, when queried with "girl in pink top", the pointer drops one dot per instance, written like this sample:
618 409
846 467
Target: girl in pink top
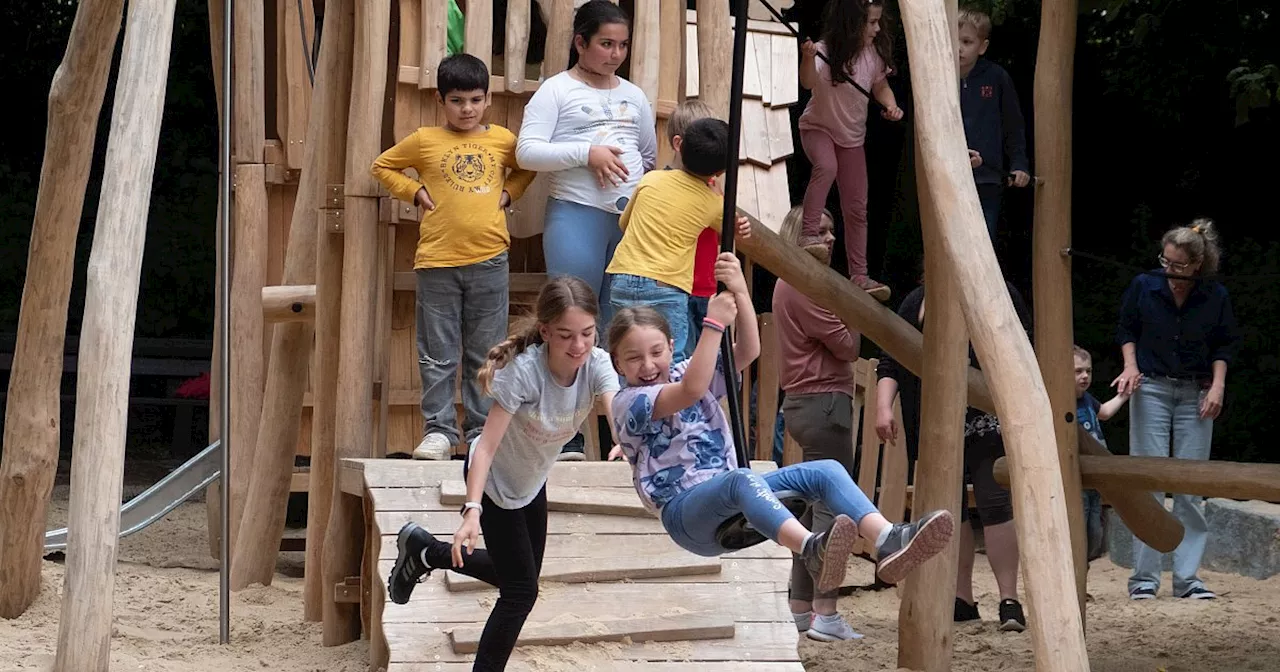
834 123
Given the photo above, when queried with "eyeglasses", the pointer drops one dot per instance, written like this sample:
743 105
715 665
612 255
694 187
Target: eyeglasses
1176 266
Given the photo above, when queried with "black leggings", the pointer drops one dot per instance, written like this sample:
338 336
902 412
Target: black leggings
515 540
994 502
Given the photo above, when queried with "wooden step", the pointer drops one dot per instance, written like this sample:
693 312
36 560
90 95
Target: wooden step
679 627
680 563
610 502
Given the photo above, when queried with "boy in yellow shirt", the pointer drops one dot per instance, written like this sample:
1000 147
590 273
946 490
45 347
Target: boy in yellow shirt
653 264
462 188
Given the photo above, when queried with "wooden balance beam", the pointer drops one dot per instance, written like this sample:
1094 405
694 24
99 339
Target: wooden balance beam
1233 480
1155 526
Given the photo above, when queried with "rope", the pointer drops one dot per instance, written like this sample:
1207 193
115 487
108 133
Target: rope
1071 251
306 51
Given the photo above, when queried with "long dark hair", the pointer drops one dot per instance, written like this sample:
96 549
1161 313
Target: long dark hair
846 22
588 20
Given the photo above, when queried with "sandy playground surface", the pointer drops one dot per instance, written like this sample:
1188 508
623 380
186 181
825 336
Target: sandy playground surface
166 619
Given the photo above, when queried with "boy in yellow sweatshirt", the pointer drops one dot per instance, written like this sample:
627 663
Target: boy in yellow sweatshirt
466 177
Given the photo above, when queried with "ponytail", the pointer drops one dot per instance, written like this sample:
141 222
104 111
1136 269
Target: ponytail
1199 240
558 295
525 334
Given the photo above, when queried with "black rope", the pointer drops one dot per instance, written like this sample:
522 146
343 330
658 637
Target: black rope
803 39
306 51
1219 277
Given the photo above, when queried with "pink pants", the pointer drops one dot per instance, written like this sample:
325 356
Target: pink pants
847 167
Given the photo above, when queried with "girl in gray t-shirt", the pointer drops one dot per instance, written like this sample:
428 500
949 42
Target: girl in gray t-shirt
544 380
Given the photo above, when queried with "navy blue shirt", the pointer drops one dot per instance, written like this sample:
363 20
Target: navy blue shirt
1087 415
993 124
1177 342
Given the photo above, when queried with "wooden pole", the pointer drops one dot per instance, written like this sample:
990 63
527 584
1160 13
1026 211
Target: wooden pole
1051 269
249 253
213 496
1009 362
1154 525
106 340
354 432
516 48
324 382
289 364
715 54
32 436
291 303
928 598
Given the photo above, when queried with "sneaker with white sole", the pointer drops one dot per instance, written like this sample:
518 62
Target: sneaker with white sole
831 628
1142 593
1199 593
433 447
826 554
1011 617
908 545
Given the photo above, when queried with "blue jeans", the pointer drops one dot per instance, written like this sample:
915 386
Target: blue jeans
697 311
1093 523
632 290
1162 408
579 240
989 195
692 517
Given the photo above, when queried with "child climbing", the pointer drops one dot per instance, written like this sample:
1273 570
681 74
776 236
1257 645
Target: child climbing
544 379
654 263
833 126
461 261
672 430
1090 413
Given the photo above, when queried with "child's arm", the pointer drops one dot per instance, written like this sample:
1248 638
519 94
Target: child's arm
389 167
808 65
534 149
607 399
729 271
625 219
481 458
648 137
517 180
884 95
1109 409
886 393
677 396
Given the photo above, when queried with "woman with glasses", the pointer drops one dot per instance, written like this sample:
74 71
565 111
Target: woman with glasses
1178 334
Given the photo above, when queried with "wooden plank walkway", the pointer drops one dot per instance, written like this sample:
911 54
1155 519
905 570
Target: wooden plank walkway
750 588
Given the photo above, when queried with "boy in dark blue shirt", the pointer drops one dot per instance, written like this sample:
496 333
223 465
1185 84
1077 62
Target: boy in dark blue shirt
1090 414
993 124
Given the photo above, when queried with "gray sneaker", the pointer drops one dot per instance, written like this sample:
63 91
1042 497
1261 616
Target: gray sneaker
836 629
827 554
910 544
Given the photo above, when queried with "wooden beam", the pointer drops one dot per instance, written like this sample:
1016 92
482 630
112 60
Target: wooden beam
435 41
1230 480
106 341
478 31
516 50
682 627
555 55
715 55
574 570
1044 540
248 85
289 303
603 501
32 423
646 45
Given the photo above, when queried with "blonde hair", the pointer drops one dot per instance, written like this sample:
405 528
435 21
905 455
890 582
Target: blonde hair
976 19
1077 351
1199 240
793 224
628 318
686 113
557 296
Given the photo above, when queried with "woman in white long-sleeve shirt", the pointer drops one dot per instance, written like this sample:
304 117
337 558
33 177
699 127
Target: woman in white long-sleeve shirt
593 133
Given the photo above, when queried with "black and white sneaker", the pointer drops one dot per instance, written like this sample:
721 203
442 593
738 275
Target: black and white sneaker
573 451
965 611
910 544
1199 593
410 569
1011 616
1142 593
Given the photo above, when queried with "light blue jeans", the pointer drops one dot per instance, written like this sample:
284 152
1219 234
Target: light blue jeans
628 290
692 517
1160 409
579 240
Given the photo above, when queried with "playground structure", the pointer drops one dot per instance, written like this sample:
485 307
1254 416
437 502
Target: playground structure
316 239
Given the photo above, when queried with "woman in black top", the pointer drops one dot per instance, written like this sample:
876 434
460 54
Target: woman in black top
982 446
1177 334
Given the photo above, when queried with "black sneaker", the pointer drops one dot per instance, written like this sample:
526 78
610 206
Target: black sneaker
1199 593
573 451
965 611
1011 617
409 569
826 555
910 544
1142 593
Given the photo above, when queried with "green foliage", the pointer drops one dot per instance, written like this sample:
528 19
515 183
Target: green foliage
1253 89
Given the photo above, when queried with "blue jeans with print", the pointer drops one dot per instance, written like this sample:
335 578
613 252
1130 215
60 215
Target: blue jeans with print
579 240
692 517
1161 408
632 290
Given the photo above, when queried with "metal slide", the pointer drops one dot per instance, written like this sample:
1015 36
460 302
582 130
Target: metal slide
158 500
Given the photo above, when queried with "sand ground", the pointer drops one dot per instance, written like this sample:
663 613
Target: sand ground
166 620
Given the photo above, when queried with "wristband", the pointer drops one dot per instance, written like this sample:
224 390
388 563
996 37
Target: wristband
708 323
471 505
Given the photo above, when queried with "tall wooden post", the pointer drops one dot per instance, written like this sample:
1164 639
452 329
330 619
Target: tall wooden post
925 615
338 37
249 253
715 55
354 431
106 340
1008 360
32 435
213 497
288 367
1051 269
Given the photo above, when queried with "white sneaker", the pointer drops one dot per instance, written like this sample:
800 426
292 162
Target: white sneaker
433 447
831 628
